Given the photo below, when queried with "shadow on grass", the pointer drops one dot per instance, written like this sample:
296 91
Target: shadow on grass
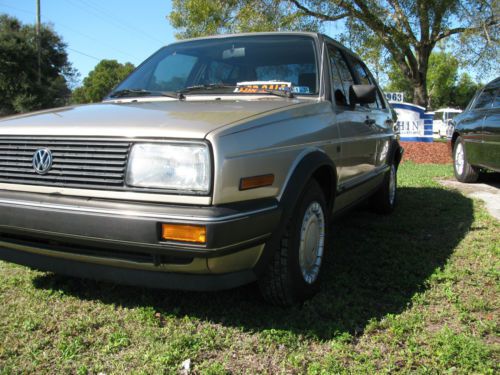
374 267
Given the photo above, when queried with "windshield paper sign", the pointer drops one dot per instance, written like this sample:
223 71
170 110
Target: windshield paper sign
256 87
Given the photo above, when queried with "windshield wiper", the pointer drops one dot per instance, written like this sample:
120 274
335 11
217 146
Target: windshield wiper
214 86
142 92
282 93
208 87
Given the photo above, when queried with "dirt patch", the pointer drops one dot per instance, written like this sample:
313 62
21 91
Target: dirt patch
427 152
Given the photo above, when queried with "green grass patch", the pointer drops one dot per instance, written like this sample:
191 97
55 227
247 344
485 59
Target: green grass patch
414 292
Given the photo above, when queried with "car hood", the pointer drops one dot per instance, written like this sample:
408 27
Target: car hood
169 119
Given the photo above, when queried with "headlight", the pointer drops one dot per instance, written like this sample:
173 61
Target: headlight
174 166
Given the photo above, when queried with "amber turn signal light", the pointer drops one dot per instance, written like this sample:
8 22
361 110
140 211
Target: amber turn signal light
184 233
256 181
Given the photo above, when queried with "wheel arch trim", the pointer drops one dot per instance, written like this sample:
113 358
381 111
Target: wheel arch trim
307 163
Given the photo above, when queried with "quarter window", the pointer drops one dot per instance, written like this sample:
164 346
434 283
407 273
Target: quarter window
341 78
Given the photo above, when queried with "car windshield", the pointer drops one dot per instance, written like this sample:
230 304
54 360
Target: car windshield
233 65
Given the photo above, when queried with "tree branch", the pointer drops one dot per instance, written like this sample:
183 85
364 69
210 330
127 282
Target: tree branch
402 19
394 39
457 30
423 16
320 16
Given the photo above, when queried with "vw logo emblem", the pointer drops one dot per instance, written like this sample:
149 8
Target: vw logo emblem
42 160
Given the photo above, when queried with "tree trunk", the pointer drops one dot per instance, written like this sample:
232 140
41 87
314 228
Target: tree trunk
420 94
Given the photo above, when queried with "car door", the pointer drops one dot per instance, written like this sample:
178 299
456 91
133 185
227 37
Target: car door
471 126
491 134
379 117
357 133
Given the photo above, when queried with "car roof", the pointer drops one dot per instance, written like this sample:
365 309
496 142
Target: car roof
315 35
236 35
495 83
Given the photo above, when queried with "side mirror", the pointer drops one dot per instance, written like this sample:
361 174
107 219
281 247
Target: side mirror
362 94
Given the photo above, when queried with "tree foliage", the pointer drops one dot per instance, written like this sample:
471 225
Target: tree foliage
464 90
19 87
403 32
194 18
101 80
446 88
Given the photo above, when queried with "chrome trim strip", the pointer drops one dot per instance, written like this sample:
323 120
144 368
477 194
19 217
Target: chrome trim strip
111 194
199 265
357 181
174 246
145 215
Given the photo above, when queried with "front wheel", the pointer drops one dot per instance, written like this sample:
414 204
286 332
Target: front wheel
293 274
464 172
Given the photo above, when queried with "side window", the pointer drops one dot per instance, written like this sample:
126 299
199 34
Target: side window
485 99
341 77
361 72
364 78
496 103
172 72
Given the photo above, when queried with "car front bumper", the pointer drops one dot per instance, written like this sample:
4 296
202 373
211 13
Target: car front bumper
121 241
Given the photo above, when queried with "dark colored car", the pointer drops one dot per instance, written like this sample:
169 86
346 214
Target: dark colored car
476 136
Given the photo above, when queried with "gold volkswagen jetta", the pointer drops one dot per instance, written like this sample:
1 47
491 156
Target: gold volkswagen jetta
218 162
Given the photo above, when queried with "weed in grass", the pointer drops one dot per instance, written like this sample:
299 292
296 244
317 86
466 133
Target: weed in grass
82 370
69 348
117 341
458 350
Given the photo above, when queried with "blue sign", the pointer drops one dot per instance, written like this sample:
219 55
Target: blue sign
414 124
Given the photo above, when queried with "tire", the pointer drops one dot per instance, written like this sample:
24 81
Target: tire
384 200
293 274
464 172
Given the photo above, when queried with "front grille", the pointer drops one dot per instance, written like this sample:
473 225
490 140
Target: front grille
76 163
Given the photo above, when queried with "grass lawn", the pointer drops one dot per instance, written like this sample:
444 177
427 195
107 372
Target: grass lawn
417 291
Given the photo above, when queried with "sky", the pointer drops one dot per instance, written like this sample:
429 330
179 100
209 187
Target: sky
123 30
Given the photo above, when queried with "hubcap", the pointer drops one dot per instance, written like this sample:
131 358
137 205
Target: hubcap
312 242
459 159
392 185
